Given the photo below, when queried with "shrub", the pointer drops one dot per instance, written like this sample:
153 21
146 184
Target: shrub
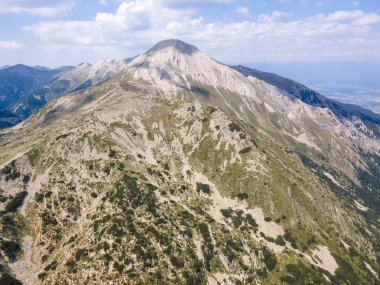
7 279
176 262
118 267
242 196
288 279
205 188
112 153
234 127
80 252
70 263
288 237
41 275
10 248
280 241
237 221
16 202
269 259
207 247
262 273
51 266
227 213
301 274
245 150
251 221
39 197
26 178
270 239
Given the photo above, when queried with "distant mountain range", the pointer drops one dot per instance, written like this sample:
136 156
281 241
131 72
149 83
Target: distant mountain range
24 89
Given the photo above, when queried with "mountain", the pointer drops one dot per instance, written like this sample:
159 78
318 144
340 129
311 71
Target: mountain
182 170
8 119
24 89
309 96
84 75
18 81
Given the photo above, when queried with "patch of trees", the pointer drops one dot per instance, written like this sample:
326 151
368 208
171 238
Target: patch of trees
7 279
205 188
288 237
9 248
269 259
300 274
16 202
234 127
207 247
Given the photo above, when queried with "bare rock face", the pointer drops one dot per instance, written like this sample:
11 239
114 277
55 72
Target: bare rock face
181 170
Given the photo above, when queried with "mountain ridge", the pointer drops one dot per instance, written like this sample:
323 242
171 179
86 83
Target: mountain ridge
181 170
295 88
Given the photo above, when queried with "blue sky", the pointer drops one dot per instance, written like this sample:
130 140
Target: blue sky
67 32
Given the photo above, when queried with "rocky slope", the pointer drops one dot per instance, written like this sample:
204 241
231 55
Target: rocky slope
181 170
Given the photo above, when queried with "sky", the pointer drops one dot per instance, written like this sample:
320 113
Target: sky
68 32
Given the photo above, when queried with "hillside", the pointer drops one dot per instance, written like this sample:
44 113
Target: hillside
182 170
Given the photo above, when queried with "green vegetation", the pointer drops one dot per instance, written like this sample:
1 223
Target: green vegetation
133 217
7 279
245 150
16 202
205 188
269 259
302 274
280 241
234 127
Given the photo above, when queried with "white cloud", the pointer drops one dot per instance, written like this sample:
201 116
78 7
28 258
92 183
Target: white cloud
103 2
138 24
276 15
358 17
345 15
132 19
193 3
10 45
37 7
243 10
367 19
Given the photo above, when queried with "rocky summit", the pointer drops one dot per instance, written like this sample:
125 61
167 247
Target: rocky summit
178 169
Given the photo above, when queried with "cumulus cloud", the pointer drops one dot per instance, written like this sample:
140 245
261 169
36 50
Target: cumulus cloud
133 19
10 45
140 23
37 7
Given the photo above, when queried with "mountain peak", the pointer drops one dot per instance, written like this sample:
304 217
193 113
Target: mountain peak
174 43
